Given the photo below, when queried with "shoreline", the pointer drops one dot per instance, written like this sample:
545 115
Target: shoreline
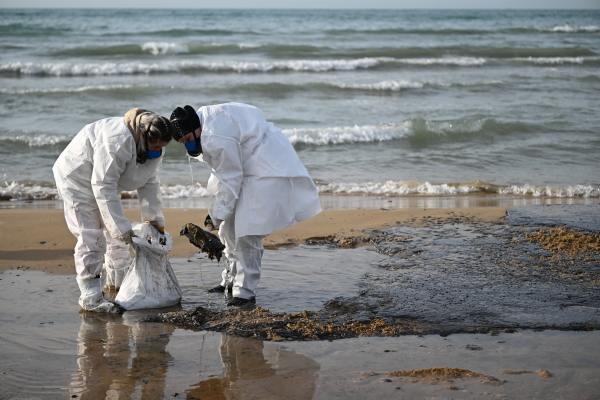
38 239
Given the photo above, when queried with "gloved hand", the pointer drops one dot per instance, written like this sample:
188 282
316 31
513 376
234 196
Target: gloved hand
217 222
159 227
208 223
127 237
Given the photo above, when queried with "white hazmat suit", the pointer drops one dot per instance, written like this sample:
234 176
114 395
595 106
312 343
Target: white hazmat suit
260 186
90 173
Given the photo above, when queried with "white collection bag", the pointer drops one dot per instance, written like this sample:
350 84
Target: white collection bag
150 281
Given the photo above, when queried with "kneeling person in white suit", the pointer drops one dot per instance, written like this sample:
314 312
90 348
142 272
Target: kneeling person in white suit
104 158
260 185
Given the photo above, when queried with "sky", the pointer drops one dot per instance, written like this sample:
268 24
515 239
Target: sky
519 4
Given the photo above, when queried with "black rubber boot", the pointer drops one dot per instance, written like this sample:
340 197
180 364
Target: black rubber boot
240 302
219 289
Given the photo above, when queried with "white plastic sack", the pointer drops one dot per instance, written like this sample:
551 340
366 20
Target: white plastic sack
150 281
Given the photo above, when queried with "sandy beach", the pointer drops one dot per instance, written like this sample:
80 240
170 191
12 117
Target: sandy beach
40 240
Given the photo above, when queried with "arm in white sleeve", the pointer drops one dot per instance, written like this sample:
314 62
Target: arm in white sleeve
223 154
150 203
110 161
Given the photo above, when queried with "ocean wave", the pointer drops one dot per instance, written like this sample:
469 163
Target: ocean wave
407 188
138 68
419 132
458 61
117 88
347 134
557 60
592 191
67 69
35 140
573 29
27 191
15 191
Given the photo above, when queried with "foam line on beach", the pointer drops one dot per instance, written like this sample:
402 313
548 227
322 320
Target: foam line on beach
406 188
12 191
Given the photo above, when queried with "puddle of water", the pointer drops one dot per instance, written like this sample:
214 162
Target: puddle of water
293 279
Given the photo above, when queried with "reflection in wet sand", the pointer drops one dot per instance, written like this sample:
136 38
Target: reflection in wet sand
122 358
248 375
118 358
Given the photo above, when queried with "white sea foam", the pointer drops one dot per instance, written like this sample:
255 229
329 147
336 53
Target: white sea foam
392 86
573 29
130 68
161 48
35 191
554 60
552 191
398 188
458 61
184 191
405 188
348 134
78 89
26 191
38 140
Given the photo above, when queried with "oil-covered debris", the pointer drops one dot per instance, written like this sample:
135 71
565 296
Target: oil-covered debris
207 242
343 242
261 323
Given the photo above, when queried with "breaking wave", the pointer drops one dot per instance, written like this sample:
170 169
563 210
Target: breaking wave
404 188
307 65
15 191
418 131
137 68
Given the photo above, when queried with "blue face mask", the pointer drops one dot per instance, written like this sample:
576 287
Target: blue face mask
193 147
152 154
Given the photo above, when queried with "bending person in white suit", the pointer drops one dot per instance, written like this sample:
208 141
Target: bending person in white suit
260 185
104 158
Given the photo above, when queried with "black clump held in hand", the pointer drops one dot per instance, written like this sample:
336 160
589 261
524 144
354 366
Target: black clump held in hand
207 242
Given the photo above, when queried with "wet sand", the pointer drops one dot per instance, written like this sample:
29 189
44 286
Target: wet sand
39 239
50 351
420 272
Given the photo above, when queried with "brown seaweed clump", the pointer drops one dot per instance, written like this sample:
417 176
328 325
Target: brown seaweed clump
443 374
261 323
564 240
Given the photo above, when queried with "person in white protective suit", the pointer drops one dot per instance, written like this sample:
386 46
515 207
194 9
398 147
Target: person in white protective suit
104 158
260 185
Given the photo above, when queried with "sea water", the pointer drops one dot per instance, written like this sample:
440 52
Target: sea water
385 103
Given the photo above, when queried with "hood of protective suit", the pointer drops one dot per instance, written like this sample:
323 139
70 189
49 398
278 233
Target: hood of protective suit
132 120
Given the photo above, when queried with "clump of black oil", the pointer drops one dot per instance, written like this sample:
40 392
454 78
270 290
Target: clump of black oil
466 275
